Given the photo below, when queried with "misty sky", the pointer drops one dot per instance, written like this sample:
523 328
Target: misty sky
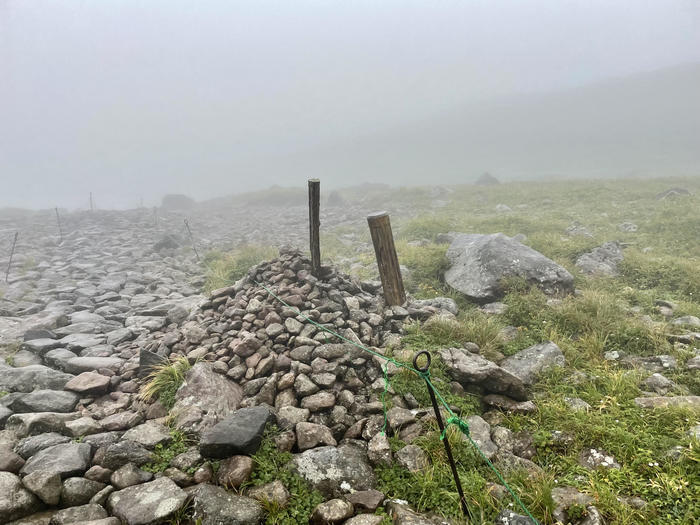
134 99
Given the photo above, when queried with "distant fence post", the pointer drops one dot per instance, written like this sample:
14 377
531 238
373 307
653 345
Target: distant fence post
388 262
314 225
12 253
58 220
92 203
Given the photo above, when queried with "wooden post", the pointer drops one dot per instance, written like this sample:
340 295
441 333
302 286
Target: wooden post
314 226
388 262
12 253
58 220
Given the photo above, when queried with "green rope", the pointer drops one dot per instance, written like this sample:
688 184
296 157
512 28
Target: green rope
454 419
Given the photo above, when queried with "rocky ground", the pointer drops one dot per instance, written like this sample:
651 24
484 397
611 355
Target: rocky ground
88 436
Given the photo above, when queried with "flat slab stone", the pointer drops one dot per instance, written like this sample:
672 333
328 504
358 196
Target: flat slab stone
149 434
147 503
32 377
664 402
213 505
46 401
88 383
68 459
327 468
77 365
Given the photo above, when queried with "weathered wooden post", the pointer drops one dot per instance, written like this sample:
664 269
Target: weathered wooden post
388 262
194 246
12 253
58 220
314 225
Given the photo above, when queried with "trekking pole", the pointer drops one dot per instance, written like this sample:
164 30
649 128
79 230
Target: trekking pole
12 253
441 425
194 248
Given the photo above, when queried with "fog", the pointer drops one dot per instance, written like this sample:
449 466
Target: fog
131 100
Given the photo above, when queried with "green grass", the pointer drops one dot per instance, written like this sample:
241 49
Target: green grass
164 454
163 382
271 465
662 262
224 269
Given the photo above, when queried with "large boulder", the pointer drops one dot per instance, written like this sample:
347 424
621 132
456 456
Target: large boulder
479 263
204 399
151 502
529 363
471 370
239 433
327 468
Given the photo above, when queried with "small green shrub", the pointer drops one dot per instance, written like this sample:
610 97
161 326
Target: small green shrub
271 465
164 454
164 381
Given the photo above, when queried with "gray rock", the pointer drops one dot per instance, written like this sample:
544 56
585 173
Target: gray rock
74 515
379 450
79 491
663 402
147 503
215 506
58 358
147 361
529 363
10 461
129 475
29 446
593 458
15 500
46 401
88 384
508 517
469 369
25 358
687 320
310 435
319 401
33 377
480 432
331 511
46 485
602 260
37 423
327 468
149 434
239 433
412 458
68 459
274 492
78 365
119 454
658 383
479 263
402 514
204 399
365 519
289 416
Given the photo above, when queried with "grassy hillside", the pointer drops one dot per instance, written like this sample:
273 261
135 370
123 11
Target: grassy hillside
627 314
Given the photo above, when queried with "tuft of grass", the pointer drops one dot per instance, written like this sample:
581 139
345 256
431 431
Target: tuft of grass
164 381
270 465
224 269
